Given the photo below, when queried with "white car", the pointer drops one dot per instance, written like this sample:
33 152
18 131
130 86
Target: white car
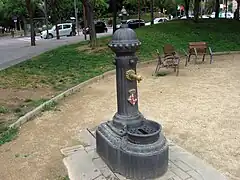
157 21
160 20
185 17
222 15
229 15
205 17
65 29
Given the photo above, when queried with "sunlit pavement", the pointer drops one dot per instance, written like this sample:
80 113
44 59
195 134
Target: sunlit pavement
15 50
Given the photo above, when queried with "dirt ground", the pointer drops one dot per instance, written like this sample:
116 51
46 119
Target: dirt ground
199 110
20 101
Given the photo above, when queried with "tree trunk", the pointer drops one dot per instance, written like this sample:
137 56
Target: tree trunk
30 9
33 43
56 23
84 22
91 25
196 10
237 10
152 15
226 4
187 2
114 11
139 12
24 26
217 9
57 30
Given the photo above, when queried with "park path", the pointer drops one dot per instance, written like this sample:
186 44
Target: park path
199 110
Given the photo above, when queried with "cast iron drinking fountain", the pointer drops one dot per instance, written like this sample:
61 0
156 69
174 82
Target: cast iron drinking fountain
130 144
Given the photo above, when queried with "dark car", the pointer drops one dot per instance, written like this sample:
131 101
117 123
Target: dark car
100 27
134 23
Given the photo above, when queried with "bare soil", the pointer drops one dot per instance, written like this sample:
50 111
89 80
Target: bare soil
199 110
19 101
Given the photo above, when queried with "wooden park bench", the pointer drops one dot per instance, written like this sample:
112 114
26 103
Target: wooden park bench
170 59
198 48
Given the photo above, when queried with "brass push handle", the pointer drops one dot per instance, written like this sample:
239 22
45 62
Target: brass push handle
131 75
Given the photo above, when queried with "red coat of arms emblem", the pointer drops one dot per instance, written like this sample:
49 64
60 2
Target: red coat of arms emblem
132 99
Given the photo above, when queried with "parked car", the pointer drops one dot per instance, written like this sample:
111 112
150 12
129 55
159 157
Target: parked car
65 29
160 20
134 23
185 17
100 27
222 15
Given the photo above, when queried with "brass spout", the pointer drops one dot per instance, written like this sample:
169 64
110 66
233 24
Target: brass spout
131 75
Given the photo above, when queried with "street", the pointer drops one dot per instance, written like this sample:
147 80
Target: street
16 50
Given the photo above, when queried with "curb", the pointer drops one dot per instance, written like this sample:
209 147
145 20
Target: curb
30 115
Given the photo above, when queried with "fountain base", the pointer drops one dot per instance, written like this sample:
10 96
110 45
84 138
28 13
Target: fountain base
130 153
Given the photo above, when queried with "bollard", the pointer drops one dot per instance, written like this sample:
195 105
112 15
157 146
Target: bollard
130 144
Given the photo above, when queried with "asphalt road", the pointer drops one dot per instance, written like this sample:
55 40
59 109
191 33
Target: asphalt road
13 51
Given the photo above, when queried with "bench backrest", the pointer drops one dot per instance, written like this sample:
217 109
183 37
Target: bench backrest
201 47
168 49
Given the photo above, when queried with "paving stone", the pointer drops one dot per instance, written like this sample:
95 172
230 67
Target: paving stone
100 178
80 166
195 175
99 163
93 154
182 165
93 131
88 140
179 172
104 169
169 175
120 177
205 170
107 173
69 150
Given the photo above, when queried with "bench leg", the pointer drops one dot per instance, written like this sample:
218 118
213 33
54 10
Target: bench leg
158 67
177 70
203 58
211 59
195 60
187 59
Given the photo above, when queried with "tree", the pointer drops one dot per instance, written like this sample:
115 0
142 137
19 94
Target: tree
187 4
210 6
31 8
54 4
88 4
237 10
217 8
196 10
13 8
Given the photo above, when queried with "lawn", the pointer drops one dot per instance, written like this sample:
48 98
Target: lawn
28 84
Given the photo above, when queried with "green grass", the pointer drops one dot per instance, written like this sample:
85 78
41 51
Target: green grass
8 135
3 110
221 35
50 106
67 66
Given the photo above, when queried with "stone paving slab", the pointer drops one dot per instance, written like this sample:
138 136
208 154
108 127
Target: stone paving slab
83 163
